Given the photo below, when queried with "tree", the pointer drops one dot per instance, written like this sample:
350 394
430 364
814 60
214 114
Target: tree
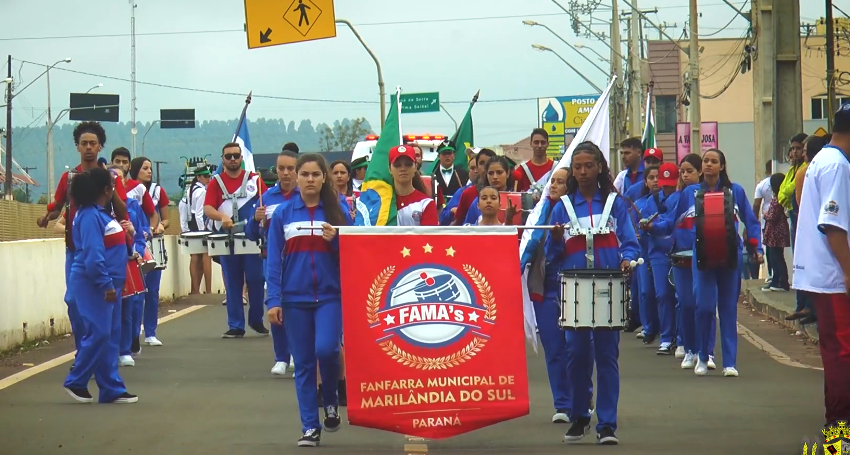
327 139
344 135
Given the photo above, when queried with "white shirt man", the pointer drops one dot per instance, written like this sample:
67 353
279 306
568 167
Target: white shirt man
765 194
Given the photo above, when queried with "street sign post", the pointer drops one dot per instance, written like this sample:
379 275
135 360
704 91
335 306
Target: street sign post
276 22
418 103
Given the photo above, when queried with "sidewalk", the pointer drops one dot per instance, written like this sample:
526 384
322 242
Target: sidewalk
776 305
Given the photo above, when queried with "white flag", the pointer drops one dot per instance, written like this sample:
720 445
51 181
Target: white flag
594 129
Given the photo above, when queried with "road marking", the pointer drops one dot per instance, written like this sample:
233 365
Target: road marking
41 367
771 350
416 448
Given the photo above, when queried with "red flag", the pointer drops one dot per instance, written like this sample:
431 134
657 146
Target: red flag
435 321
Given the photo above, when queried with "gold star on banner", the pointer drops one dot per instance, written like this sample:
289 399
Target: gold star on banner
427 248
405 252
450 252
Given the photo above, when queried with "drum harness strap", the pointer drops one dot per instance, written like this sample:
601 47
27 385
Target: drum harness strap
234 198
68 226
575 228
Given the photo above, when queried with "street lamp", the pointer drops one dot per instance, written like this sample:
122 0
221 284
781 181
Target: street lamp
383 93
50 172
601 58
96 86
532 24
450 115
544 48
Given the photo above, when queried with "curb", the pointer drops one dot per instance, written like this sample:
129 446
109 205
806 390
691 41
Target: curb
778 315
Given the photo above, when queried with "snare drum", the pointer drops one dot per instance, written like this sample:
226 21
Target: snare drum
194 242
219 245
157 247
148 262
134 284
682 259
593 299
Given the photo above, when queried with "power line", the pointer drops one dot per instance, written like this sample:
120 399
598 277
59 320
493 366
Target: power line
273 97
734 16
368 24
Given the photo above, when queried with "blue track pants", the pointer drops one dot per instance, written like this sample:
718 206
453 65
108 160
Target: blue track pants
151 302
665 299
73 314
648 305
131 321
717 292
584 347
237 269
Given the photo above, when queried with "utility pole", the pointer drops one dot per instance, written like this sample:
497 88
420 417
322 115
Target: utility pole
788 85
9 162
50 176
635 90
618 111
157 169
133 72
764 109
27 186
693 76
830 66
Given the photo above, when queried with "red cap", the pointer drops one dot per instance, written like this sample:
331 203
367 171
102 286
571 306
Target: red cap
400 151
668 174
654 153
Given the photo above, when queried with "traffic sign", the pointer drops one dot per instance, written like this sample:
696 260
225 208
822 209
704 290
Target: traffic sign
276 22
820 132
418 103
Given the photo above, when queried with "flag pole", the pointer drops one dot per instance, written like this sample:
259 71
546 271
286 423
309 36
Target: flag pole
398 112
244 113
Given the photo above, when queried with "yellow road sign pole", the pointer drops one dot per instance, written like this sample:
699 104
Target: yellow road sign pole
383 94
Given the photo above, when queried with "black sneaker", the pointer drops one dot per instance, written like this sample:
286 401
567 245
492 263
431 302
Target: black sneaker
135 347
311 438
233 333
81 395
332 419
342 393
607 437
259 328
578 430
666 349
649 339
126 398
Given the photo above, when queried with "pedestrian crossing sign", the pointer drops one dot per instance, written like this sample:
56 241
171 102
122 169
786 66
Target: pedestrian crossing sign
275 22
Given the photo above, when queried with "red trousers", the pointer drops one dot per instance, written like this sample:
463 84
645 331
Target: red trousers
833 312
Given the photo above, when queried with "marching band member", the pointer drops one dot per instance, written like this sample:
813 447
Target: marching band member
304 290
142 171
631 151
341 174
651 157
588 189
272 199
132 306
543 287
89 138
716 290
496 173
230 199
121 158
449 178
665 182
489 205
191 210
96 279
447 214
414 207
467 196
527 174
648 304
358 169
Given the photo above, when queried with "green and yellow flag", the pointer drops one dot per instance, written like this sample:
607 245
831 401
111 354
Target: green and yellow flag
463 139
376 204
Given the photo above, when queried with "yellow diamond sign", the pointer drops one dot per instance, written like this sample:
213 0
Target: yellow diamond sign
276 22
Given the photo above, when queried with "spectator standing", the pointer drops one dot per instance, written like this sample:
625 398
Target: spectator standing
777 237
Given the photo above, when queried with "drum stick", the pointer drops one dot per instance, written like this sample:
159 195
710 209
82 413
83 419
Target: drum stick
406 228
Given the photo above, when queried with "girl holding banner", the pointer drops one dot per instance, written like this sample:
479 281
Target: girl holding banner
303 278
589 189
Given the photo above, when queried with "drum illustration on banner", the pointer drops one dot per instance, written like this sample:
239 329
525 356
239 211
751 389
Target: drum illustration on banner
431 318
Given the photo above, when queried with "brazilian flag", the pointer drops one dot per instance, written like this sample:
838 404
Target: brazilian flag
376 204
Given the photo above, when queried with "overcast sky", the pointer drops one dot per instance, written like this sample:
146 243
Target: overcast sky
452 46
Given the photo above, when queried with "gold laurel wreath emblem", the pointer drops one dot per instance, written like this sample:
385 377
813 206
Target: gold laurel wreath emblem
373 304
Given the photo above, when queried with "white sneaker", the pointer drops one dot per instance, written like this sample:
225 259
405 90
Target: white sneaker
152 341
730 372
126 361
701 369
279 369
291 366
711 365
690 361
680 352
640 335
560 417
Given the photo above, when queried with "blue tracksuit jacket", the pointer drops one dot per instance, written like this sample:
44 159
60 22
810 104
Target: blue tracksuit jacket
658 246
302 268
681 217
609 250
446 215
140 224
101 248
551 281
272 199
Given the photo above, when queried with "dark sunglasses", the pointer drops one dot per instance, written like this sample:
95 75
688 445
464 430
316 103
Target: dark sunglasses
232 156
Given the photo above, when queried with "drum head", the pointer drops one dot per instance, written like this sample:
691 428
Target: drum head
197 234
683 254
593 273
218 236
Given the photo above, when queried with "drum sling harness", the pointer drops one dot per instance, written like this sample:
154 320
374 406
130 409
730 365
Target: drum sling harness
234 199
68 226
576 230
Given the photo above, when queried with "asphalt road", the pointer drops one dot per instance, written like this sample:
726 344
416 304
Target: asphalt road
200 394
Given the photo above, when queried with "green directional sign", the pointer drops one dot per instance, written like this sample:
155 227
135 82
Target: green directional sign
418 103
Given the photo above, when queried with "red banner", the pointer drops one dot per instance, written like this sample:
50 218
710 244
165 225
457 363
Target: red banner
435 319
